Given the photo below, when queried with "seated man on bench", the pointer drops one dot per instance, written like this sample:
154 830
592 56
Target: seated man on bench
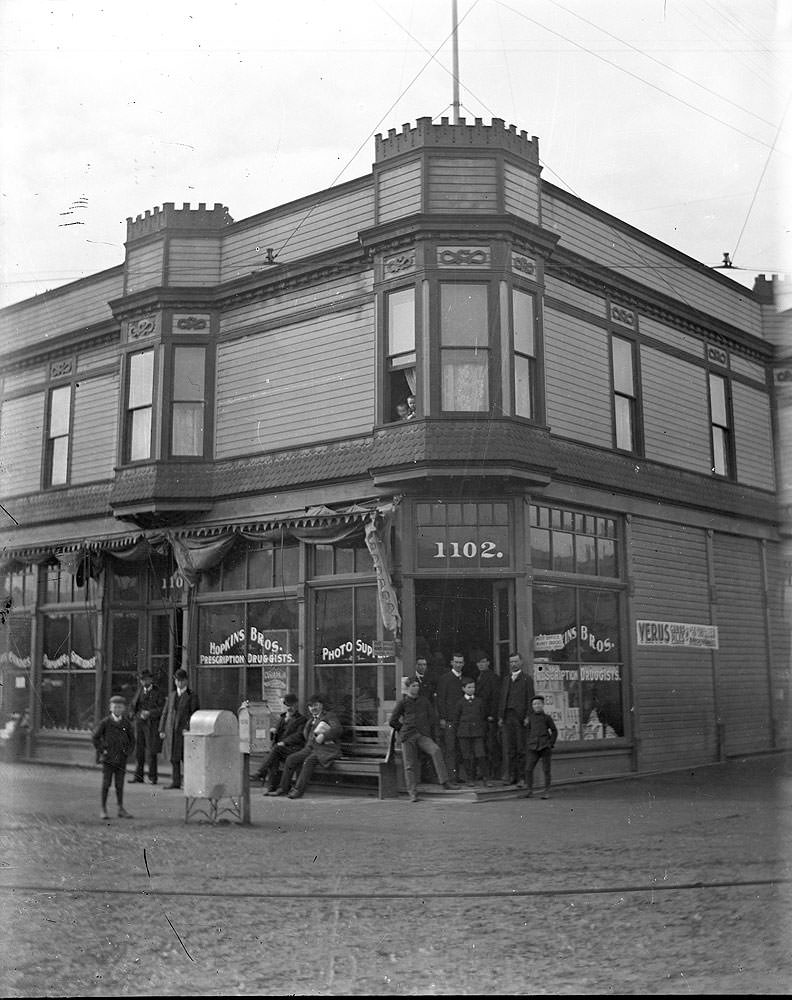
322 734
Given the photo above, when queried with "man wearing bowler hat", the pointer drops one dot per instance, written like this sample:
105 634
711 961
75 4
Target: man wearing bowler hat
147 708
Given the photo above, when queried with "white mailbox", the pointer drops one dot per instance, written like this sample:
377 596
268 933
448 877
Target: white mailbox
212 762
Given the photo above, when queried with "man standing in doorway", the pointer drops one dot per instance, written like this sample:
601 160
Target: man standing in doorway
146 711
516 694
449 693
488 690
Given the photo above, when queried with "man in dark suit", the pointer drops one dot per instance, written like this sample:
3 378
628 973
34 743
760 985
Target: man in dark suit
516 693
488 689
322 733
449 692
179 707
147 708
287 738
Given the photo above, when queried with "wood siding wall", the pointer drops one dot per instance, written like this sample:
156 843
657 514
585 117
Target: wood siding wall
577 379
780 607
574 296
462 185
309 382
144 266
670 337
399 192
194 262
592 235
521 192
322 295
753 437
742 366
742 657
673 687
308 229
97 357
676 411
94 429
56 313
21 429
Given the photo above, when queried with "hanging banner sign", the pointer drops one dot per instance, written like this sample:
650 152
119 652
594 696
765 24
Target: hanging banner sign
668 634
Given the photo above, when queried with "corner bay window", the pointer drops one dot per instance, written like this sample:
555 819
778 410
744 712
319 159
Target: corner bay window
400 323
578 663
187 408
464 347
524 354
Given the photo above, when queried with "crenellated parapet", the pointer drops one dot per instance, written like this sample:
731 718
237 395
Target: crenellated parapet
445 135
200 219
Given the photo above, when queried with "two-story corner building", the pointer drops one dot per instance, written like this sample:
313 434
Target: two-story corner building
444 407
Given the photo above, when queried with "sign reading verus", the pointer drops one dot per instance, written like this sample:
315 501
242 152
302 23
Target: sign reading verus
667 634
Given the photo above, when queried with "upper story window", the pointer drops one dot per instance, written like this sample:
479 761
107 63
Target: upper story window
139 406
722 457
58 436
625 394
524 347
188 403
566 541
401 357
464 347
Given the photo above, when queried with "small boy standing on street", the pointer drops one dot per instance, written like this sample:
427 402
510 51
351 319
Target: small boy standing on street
540 737
470 723
114 740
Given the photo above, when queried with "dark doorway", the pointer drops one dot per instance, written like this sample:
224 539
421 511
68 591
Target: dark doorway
453 616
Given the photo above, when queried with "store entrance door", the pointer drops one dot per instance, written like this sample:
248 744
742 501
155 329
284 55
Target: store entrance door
464 616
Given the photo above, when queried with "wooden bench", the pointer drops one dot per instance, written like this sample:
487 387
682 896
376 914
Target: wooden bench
371 771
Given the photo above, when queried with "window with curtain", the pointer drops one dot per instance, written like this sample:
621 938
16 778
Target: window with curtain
464 347
401 357
524 347
188 404
139 406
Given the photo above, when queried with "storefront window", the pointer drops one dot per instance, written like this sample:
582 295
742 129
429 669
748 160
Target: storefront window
358 684
247 651
578 666
126 657
69 677
254 566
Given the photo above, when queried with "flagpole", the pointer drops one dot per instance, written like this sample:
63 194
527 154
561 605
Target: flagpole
456 61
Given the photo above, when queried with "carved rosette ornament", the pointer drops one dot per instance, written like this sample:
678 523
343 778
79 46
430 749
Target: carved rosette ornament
140 329
62 368
463 256
623 316
522 264
399 263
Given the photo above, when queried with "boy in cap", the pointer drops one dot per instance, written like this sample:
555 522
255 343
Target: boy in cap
541 734
114 740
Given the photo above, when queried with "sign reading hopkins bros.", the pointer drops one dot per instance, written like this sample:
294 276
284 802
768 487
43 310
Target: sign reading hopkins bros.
676 634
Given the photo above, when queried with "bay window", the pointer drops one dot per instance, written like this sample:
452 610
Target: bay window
139 406
188 404
464 347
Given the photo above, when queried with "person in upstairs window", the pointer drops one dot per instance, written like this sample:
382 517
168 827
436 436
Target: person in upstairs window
403 411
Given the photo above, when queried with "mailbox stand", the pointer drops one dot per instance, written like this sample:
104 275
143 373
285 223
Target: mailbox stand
212 768
254 732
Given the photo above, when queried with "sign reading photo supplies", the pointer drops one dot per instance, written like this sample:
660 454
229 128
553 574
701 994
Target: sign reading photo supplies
668 634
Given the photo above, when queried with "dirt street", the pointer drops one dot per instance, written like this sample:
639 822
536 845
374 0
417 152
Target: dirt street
672 884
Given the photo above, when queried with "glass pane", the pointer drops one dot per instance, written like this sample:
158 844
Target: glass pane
585 553
365 624
465 380
540 548
624 426
261 562
273 630
623 380
141 379
606 549
523 323
345 560
188 429
60 461
555 632
221 635
218 687
366 702
335 684
60 403
563 547
235 568
188 373
718 400
401 321
323 560
602 704
54 696
84 640
719 466
125 588
333 634
463 315
124 652
287 565
599 626
523 387
56 645
140 435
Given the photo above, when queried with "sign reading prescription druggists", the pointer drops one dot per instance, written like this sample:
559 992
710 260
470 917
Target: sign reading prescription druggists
667 634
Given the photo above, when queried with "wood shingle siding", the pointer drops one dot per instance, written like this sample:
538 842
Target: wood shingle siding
592 234
742 657
145 267
305 383
94 429
21 428
577 379
521 190
462 185
753 437
301 232
673 686
54 314
676 411
194 262
399 192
